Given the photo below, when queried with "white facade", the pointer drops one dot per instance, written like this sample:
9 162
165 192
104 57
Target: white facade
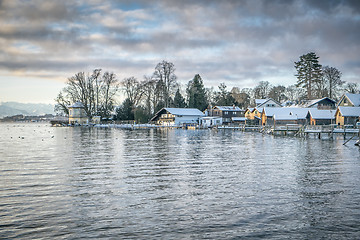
210 121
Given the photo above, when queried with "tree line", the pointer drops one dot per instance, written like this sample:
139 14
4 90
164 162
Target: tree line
98 91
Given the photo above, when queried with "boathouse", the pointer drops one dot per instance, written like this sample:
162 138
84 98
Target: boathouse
177 117
77 114
253 116
283 115
320 117
226 113
207 122
347 115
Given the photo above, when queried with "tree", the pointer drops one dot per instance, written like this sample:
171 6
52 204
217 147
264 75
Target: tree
278 93
196 94
224 97
241 98
166 78
132 89
352 88
308 73
332 76
125 111
261 91
97 93
294 93
179 100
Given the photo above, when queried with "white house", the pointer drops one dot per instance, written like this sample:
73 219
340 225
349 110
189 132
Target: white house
210 121
177 116
77 114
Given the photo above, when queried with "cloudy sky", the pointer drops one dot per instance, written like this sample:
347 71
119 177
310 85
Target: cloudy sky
237 42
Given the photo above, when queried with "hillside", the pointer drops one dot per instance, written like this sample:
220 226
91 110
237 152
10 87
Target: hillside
27 109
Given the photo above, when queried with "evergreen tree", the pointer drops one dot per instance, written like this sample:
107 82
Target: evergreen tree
224 97
196 93
125 111
309 73
179 101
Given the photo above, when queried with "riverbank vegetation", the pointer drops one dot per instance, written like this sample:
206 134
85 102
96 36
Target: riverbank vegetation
98 91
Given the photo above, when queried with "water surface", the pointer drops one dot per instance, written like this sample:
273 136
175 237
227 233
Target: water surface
81 183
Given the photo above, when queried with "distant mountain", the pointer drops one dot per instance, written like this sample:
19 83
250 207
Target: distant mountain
27 109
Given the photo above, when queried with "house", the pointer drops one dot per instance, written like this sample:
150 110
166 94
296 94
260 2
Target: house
283 115
349 100
324 103
347 115
269 102
226 113
253 116
207 122
177 116
320 117
77 114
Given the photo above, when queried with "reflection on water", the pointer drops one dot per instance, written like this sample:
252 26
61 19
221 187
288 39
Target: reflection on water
174 184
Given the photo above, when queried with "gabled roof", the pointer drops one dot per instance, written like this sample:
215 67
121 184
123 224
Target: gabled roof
259 101
250 109
180 112
316 101
354 98
77 105
349 111
185 111
266 101
322 114
285 111
228 108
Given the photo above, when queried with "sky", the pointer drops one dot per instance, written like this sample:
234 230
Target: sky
238 42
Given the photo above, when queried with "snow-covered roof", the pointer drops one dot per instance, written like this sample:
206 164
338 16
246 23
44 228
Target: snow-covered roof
242 119
250 109
354 98
286 111
285 117
77 105
185 111
259 101
349 111
228 108
322 114
315 101
266 101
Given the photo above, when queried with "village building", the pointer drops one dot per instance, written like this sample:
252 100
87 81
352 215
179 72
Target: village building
268 102
77 114
206 122
320 116
227 113
283 115
349 100
347 115
253 116
324 103
177 117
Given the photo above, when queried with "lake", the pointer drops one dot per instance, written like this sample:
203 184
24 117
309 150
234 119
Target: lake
109 183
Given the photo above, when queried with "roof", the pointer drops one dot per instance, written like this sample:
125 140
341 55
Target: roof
228 108
180 112
316 101
77 105
354 98
250 109
266 101
285 117
349 111
185 111
285 111
242 119
259 101
322 114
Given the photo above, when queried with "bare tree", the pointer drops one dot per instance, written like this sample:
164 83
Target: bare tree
262 90
332 76
166 78
96 92
352 88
